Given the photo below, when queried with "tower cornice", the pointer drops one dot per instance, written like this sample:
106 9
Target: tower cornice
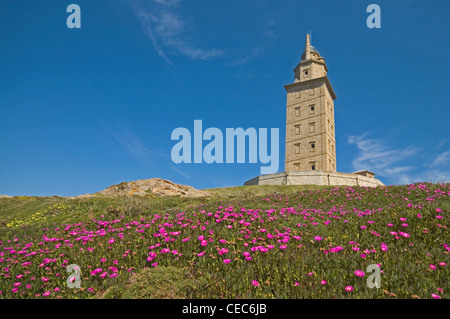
312 81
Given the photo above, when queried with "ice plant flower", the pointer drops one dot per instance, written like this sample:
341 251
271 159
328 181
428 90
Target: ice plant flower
359 273
348 288
255 283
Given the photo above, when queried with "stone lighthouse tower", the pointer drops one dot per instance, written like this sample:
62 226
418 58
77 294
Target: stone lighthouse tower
310 138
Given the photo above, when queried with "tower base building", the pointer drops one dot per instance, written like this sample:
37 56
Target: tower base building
315 178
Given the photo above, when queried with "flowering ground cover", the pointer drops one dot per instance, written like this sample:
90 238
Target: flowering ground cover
291 243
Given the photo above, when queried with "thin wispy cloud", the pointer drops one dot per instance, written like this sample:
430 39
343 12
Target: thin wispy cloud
441 160
384 160
442 143
258 50
132 144
168 2
168 30
179 171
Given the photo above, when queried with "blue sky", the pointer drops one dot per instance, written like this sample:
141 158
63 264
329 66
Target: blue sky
82 109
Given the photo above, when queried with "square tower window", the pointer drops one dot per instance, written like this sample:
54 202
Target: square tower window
312 108
297 148
312 127
297 129
313 165
313 146
297 111
306 73
297 166
332 149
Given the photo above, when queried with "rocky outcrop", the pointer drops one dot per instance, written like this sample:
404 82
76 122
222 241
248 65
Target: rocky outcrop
152 187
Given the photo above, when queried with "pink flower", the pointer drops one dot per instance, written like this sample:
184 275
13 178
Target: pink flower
323 282
255 283
384 247
442 264
296 284
283 247
17 284
439 210
349 288
318 238
432 266
359 273
439 217
200 254
227 261
47 293
435 296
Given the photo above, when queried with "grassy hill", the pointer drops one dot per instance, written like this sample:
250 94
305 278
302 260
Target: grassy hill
241 242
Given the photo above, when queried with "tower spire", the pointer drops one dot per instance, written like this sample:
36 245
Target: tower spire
307 48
